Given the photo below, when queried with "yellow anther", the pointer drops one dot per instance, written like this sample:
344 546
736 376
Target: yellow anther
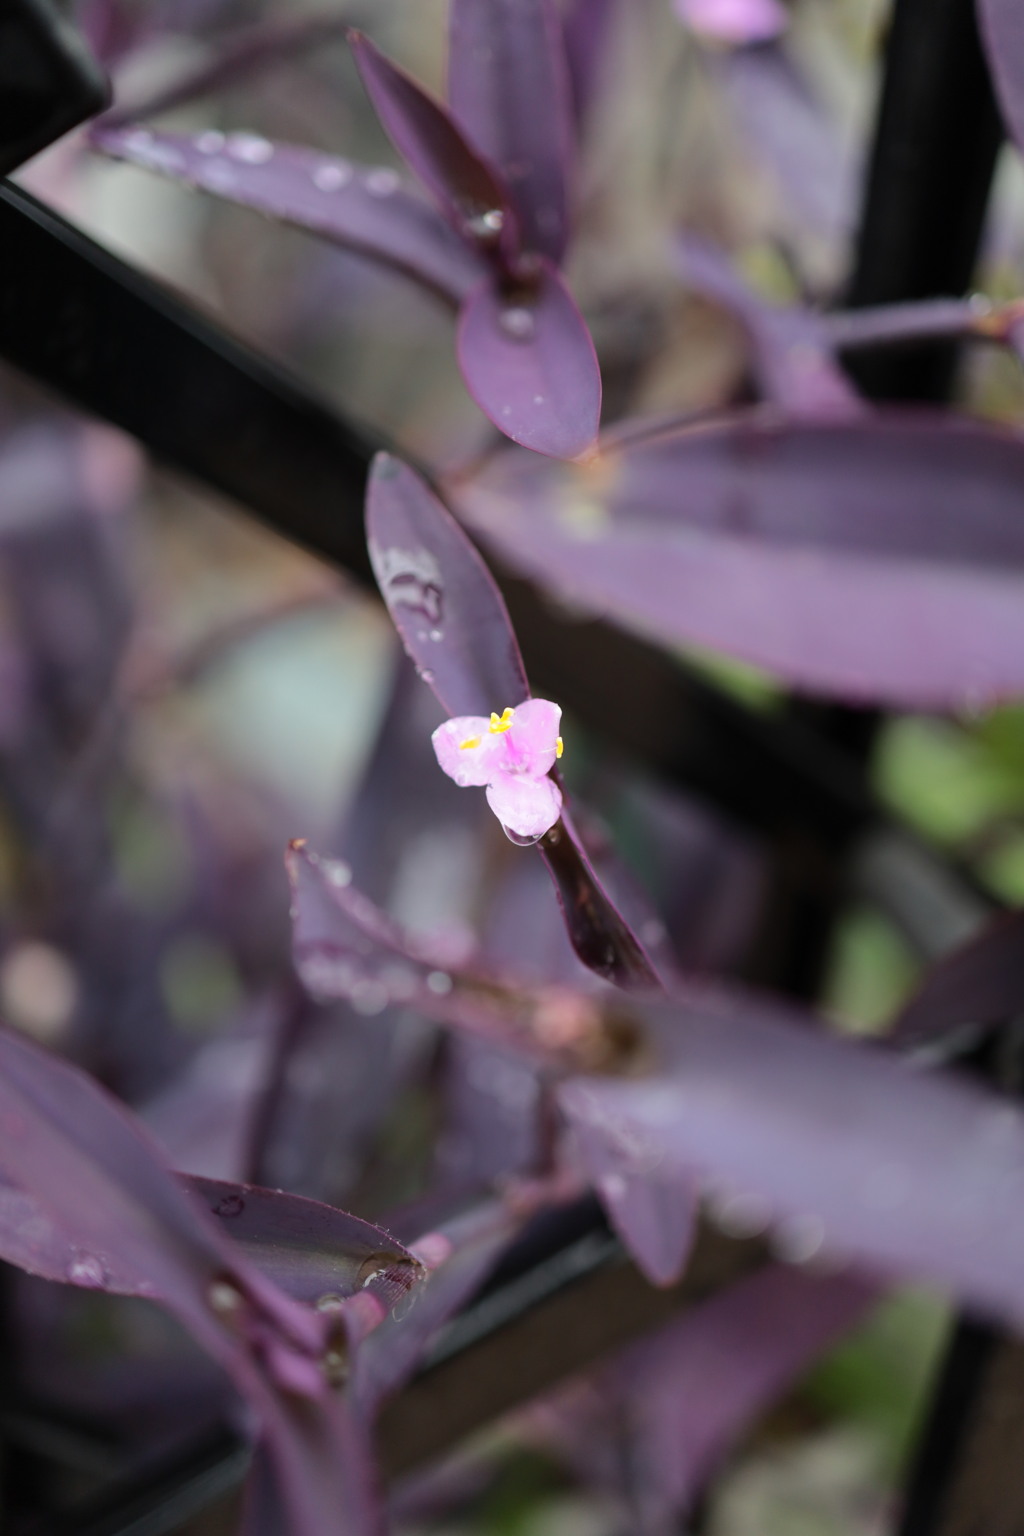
502 724
470 741
558 746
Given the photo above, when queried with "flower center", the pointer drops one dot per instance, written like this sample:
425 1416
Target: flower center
502 723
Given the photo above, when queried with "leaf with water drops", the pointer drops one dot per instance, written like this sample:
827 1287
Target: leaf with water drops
528 360
878 560
508 86
471 191
365 209
454 624
850 1154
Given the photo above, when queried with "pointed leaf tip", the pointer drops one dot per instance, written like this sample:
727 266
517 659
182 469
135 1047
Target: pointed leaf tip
530 365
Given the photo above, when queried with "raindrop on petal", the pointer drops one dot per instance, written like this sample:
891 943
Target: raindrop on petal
518 322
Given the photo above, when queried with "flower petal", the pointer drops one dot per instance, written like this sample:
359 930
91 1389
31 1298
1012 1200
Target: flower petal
528 807
476 764
533 737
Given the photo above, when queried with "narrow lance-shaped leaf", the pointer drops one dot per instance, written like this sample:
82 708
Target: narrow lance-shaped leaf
981 983
366 210
878 560
455 626
795 365
653 1211
508 86
529 362
1002 33
848 1152
425 135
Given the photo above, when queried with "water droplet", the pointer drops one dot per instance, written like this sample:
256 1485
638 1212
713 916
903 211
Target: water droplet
425 675
224 1297
486 226
250 148
404 1305
798 1239
335 1364
382 182
738 1214
211 142
613 1185
87 1271
330 1302
517 322
338 873
369 997
437 634
231 1205
440 983
332 175
538 399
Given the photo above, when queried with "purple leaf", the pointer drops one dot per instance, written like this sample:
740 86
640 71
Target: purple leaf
586 26
473 194
792 358
310 1250
366 210
528 360
493 1100
1002 33
654 1213
459 1255
316 1470
508 86
847 1151
981 983
684 1395
878 561
455 626
442 598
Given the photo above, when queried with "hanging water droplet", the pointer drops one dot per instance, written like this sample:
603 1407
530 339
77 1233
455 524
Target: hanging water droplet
517 322
440 983
224 1297
382 182
211 142
231 1205
425 675
330 1302
87 1271
333 175
486 226
250 148
338 873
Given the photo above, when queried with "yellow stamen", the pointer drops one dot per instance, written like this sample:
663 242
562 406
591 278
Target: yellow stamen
470 741
502 724
558 746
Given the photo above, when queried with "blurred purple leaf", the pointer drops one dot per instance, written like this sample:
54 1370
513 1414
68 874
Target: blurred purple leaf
529 362
459 1255
653 1211
847 1152
586 26
880 560
316 1469
1002 32
679 1400
492 1123
454 624
981 983
793 360
366 210
234 59
471 191
508 86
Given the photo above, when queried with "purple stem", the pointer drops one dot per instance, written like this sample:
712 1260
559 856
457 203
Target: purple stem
894 324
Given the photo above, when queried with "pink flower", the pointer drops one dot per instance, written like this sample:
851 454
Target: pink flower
734 21
512 754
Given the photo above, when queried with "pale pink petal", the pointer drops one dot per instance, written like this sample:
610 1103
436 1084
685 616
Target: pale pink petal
533 737
528 807
475 764
734 21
